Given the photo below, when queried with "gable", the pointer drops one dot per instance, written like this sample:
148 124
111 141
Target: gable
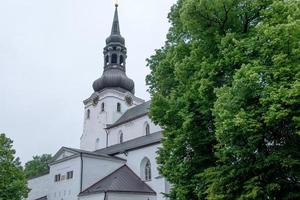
63 153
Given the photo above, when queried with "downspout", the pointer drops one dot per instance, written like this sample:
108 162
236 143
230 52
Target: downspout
105 196
81 171
107 132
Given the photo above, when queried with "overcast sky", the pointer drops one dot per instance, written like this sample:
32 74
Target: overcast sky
50 54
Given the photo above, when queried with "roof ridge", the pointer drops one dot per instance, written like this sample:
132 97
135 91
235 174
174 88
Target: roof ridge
139 142
124 118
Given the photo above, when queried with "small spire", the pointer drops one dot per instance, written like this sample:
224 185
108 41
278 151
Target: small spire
116 27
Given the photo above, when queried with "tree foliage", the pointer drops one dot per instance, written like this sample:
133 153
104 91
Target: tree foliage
13 184
225 87
37 166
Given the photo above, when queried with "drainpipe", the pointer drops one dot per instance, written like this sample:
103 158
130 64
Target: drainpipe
107 132
81 171
105 196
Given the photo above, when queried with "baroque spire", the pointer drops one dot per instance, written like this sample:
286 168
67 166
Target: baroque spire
115 55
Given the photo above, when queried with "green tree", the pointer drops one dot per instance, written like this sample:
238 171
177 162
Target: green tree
13 184
37 166
257 115
209 44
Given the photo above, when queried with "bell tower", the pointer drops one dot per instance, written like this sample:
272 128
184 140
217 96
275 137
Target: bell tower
115 52
113 92
115 55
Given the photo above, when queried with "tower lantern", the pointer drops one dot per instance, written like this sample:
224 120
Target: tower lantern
115 55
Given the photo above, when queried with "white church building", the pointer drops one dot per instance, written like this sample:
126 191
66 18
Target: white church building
118 147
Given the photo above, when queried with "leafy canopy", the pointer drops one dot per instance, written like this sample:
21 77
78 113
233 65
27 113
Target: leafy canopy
225 87
13 184
37 166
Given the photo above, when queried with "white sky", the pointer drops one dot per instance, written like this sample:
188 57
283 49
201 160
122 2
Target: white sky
50 54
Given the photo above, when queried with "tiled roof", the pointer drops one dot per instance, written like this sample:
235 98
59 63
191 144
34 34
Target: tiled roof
77 152
136 143
123 180
132 113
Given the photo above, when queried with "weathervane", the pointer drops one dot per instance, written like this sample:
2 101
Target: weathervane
116 2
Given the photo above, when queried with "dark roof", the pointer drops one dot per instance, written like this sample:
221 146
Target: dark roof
133 113
39 175
132 144
42 198
123 180
77 152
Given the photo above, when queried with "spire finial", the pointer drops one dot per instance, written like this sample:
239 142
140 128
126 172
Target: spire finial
116 2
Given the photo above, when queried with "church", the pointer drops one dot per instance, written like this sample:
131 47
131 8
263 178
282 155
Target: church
118 147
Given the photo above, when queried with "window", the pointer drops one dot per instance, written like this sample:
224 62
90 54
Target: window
97 143
114 59
102 107
70 175
121 60
57 178
121 137
147 129
146 170
107 60
119 107
88 114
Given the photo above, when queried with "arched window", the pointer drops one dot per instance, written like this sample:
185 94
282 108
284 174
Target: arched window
107 60
146 173
121 60
102 107
88 114
121 137
147 129
114 59
118 107
97 143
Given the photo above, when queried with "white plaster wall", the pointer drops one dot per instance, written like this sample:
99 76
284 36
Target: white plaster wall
94 170
134 159
67 189
93 197
118 196
131 130
94 126
39 187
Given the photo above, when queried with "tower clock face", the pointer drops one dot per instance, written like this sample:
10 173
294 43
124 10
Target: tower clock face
129 100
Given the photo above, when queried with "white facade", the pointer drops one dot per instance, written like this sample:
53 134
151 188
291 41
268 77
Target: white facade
96 169
89 169
100 111
117 196
39 187
92 168
113 119
134 161
131 130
